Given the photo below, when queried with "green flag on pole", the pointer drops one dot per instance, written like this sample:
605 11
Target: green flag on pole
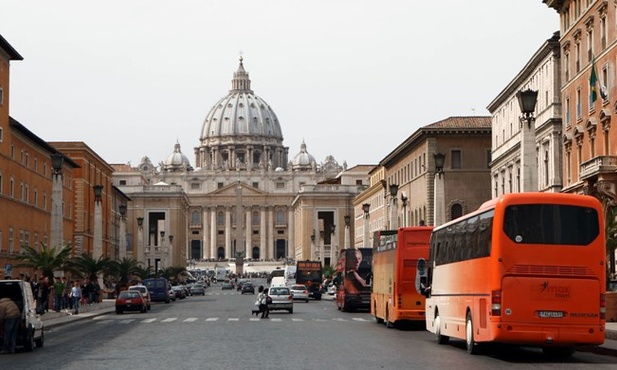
593 79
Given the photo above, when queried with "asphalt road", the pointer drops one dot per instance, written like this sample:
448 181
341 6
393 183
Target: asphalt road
217 331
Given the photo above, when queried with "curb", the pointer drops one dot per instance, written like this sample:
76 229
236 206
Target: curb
47 324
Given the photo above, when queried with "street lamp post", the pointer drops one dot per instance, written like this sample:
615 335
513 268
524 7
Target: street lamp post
97 247
122 236
333 246
57 161
161 252
527 100
322 247
313 247
404 205
393 207
439 190
169 252
140 240
347 230
366 209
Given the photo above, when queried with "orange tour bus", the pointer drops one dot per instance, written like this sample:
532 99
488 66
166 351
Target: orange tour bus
526 269
396 254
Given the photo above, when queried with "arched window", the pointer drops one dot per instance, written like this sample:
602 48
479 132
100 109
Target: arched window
255 218
220 218
456 211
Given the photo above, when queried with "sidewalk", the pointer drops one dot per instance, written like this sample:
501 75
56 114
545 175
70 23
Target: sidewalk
52 319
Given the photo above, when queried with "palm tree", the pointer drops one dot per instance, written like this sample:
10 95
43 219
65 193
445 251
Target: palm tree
123 269
47 259
144 272
172 273
86 266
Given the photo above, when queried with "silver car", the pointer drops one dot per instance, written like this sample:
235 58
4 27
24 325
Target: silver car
300 292
282 299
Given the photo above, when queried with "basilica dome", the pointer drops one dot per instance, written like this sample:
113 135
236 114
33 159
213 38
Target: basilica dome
241 131
177 161
303 160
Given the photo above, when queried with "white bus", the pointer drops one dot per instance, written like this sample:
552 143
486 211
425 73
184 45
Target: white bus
290 275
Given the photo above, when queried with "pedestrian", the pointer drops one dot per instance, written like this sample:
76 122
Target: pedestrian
262 299
42 296
76 296
67 302
10 316
58 290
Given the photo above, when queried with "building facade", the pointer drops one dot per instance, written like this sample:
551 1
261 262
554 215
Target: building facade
27 193
527 156
244 197
407 189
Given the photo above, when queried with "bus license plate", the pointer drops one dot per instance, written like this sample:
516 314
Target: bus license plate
551 314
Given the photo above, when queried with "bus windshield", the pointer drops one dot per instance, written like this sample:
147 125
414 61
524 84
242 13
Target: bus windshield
551 224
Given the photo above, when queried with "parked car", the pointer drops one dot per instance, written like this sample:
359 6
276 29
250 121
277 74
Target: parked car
130 300
300 292
241 283
144 292
172 294
158 288
30 331
198 289
248 288
331 289
282 299
180 291
227 285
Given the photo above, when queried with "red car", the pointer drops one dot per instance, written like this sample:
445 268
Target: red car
130 300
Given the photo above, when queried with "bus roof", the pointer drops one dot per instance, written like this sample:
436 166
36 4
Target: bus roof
527 198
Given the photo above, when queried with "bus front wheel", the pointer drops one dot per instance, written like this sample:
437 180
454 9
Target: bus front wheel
441 339
472 346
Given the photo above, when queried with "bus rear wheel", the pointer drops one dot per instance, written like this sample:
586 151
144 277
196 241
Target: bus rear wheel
441 339
377 318
389 324
472 346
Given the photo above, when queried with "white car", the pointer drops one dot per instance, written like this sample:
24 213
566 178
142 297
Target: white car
300 292
331 289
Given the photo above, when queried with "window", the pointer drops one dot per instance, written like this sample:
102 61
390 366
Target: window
577 56
566 66
256 185
579 109
1 135
195 217
456 159
122 182
604 88
255 218
220 218
567 109
1 98
280 217
195 186
219 185
589 45
280 185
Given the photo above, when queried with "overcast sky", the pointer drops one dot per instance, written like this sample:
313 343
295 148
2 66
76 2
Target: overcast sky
352 78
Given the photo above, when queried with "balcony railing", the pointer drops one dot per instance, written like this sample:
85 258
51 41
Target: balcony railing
598 165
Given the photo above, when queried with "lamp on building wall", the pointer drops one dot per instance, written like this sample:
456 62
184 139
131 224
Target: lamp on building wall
527 100
347 219
171 239
404 200
140 240
313 237
140 222
366 207
98 192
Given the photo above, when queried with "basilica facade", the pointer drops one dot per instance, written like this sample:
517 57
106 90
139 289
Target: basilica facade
244 195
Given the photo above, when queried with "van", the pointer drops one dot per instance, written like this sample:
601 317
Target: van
31 328
278 281
158 288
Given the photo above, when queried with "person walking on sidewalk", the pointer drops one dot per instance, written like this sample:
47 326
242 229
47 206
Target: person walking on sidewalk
11 316
76 296
58 290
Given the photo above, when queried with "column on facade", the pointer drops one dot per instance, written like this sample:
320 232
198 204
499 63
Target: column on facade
271 232
263 254
205 250
213 218
228 232
291 246
247 233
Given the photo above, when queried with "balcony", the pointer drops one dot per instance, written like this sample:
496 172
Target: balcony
597 166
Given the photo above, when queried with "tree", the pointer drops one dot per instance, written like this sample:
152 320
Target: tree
329 271
123 269
144 272
86 266
172 273
47 259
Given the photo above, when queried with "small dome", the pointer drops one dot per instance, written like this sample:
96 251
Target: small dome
177 161
303 161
